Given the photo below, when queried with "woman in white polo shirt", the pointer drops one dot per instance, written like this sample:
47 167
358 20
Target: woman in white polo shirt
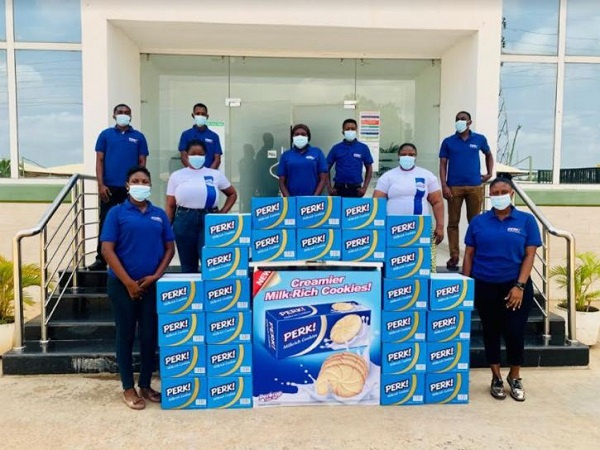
410 190
193 192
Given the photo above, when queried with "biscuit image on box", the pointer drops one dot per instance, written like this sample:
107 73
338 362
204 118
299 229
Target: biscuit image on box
343 375
345 329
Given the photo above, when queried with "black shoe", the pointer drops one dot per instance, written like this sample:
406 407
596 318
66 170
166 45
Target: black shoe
497 389
97 266
516 389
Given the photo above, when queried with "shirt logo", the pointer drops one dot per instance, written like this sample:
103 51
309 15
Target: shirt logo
473 146
158 219
357 155
310 157
208 141
134 140
513 230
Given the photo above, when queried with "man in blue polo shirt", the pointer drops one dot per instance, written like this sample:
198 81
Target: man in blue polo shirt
200 132
461 178
118 149
349 157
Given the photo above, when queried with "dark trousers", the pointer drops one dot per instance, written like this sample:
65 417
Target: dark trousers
499 321
188 226
117 195
347 190
129 313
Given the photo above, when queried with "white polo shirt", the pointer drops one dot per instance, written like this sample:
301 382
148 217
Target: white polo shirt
407 190
197 189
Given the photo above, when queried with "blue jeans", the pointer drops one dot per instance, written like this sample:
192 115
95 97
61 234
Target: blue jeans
188 226
128 314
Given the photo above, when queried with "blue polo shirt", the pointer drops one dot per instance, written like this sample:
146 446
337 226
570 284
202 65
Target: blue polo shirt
210 139
139 237
500 244
301 169
349 159
464 168
122 149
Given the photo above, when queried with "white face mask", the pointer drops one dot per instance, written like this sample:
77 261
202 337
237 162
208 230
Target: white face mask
350 135
461 126
200 120
139 192
407 162
197 161
123 120
500 202
300 141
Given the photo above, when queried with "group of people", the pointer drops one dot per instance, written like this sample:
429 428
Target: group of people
138 239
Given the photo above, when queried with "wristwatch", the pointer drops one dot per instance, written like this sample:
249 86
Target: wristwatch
520 285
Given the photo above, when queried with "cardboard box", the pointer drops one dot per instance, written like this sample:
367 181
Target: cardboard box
403 389
273 212
228 327
179 293
274 245
407 262
219 263
402 326
181 329
183 393
449 387
229 360
318 212
363 213
229 392
318 244
408 231
182 361
307 329
445 326
404 357
363 245
225 295
450 356
227 230
405 294
451 291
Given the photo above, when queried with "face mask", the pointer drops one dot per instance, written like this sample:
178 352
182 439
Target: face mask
197 161
200 120
139 192
461 126
407 162
500 202
350 135
122 120
300 141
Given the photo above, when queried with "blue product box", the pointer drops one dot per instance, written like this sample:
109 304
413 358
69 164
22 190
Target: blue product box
229 392
405 294
182 361
307 329
403 389
363 213
401 326
318 244
445 326
183 393
404 357
219 263
318 212
228 327
227 295
451 291
227 230
179 293
229 360
449 387
274 245
450 356
408 231
180 329
406 262
363 245
273 212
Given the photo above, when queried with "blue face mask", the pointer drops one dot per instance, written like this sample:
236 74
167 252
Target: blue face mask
407 162
300 141
500 202
200 120
350 135
139 192
197 161
461 126
123 120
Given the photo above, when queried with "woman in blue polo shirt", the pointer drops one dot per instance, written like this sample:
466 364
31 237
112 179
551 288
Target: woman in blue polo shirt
501 246
302 169
193 192
137 243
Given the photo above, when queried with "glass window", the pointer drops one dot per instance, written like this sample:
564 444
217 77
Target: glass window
581 122
583 27
47 20
49 105
526 119
4 142
530 27
2 20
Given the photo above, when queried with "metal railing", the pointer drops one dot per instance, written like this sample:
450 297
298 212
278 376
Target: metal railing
62 252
